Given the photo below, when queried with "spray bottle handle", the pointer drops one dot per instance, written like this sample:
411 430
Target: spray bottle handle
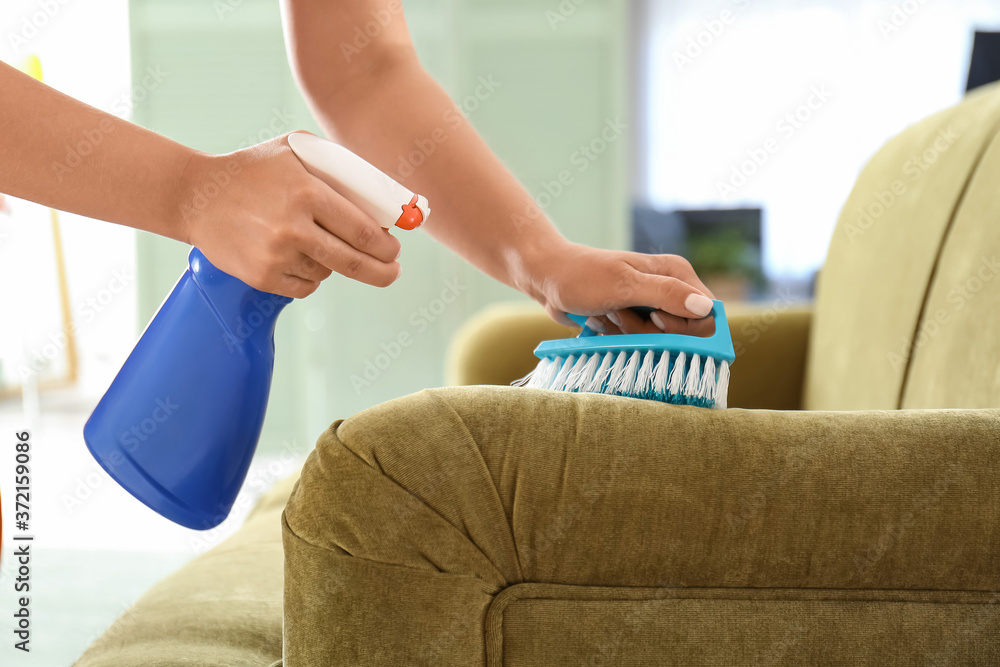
375 193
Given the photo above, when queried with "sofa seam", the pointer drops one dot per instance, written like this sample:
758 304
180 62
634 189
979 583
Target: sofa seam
493 486
932 276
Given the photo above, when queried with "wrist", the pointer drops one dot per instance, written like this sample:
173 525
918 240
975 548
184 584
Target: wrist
533 264
185 205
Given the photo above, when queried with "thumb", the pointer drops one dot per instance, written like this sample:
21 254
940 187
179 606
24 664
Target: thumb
673 296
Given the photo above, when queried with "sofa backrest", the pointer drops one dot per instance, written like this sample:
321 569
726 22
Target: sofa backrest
907 309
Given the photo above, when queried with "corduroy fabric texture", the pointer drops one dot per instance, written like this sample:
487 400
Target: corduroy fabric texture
955 357
884 253
651 626
223 609
410 518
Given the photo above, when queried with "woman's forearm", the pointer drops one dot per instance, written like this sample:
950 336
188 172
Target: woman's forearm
397 117
62 153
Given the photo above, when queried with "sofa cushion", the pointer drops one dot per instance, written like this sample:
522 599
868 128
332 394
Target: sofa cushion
223 609
883 254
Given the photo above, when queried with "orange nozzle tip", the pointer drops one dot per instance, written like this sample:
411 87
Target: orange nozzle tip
411 217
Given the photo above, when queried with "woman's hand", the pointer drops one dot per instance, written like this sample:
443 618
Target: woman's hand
258 215
605 284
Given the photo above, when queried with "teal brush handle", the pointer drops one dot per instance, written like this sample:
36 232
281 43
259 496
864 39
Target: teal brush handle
718 345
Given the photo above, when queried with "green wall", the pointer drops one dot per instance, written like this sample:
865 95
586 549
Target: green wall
562 77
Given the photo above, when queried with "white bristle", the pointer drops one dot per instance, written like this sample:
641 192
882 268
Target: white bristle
707 388
586 376
573 379
617 369
644 378
722 386
544 380
597 381
635 374
531 378
693 378
627 379
560 380
660 375
677 376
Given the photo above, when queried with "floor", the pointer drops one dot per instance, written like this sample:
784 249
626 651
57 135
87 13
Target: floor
96 549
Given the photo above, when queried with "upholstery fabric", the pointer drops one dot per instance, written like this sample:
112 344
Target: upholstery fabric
223 609
884 250
955 358
411 518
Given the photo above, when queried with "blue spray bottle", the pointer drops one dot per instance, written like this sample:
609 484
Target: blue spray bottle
180 422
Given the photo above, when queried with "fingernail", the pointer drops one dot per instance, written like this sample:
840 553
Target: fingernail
614 317
399 254
596 324
698 304
658 321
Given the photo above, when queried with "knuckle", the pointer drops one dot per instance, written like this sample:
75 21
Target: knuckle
366 236
353 267
680 263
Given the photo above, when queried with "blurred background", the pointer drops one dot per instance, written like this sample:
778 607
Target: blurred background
727 131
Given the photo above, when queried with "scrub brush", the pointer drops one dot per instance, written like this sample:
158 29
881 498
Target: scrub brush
672 368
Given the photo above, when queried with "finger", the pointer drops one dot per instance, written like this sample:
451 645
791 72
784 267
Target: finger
671 265
598 323
295 287
672 295
334 254
679 325
630 322
559 316
347 222
309 269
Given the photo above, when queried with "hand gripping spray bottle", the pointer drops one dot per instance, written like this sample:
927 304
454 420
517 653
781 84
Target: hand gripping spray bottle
181 420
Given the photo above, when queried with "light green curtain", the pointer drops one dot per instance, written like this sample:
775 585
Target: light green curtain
552 100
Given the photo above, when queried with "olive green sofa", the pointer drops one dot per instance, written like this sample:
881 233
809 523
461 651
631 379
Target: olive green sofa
846 511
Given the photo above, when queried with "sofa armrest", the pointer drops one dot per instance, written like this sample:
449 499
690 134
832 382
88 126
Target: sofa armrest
495 347
771 345
410 518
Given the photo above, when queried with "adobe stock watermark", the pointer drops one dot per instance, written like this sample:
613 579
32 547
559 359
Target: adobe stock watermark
203 195
223 8
279 123
419 320
958 296
452 118
786 128
894 532
711 30
33 24
130 441
364 35
761 322
123 105
259 480
579 161
913 169
563 12
259 314
88 310
92 138
899 16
